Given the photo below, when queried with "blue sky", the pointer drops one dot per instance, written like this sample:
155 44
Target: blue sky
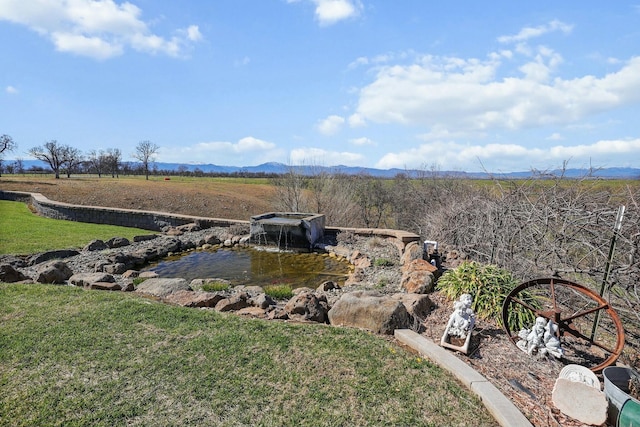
462 85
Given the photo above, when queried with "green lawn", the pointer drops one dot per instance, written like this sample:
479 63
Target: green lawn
22 232
74 357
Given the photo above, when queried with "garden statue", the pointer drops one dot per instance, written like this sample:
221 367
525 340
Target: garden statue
460 325
541 339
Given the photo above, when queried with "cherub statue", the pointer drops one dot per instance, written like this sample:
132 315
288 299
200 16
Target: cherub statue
462 319
541 339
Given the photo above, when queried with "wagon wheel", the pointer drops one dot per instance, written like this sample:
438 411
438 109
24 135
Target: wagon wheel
574 309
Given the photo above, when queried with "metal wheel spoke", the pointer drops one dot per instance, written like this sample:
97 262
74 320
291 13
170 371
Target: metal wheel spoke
584 313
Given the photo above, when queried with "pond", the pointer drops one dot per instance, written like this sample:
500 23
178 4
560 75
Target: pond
255 266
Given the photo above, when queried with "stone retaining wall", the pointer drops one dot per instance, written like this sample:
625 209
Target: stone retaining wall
147 220
150 220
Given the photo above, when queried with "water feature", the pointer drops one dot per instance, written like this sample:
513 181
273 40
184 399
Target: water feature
287 229
243 265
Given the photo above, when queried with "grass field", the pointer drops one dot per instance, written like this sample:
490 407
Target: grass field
73 357
22 232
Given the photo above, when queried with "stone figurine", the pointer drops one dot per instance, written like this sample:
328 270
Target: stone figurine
541 339
460 325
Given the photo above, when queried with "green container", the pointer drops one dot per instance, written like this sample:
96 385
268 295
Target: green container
629 414
624 410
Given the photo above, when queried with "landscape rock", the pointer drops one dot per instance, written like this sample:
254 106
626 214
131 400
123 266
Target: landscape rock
8 274
417 305
256 312
147 275
368 310
104 286
308 306
87 279
234 302
118 242
117 268
144 238
580 401
412 252
187 298
329 285
48 256
263 301
162 287
95 245
418 277
56 272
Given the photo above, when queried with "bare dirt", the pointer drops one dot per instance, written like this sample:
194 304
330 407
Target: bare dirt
528 383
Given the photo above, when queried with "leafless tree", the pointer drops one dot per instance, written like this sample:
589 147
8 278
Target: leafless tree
71 158
113 160
52 154
145 152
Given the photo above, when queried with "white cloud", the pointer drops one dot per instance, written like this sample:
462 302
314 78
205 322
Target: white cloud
11 90
362 141
247 151
331 125
466 94
531 32
508 157
307 156
99 29
329 12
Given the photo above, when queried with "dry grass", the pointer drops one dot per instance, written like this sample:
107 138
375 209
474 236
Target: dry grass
209 197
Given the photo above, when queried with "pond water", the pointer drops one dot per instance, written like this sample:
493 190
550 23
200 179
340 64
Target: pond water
255 266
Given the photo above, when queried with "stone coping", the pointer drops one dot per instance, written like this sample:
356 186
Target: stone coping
502 409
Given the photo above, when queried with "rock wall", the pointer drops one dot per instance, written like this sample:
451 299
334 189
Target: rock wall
147 220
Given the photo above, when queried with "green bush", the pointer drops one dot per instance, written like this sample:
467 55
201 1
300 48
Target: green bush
279 291
488 285
215 287
383 262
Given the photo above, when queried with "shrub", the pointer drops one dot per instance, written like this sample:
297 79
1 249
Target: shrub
383 262
278 291
215 287
488 285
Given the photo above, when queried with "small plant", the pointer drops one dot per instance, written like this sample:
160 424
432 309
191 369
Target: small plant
215 287
488 285
279 291
136 281
383 262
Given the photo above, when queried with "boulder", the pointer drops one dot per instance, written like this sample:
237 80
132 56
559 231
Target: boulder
48 256
118 242
162 287
417 305
53 272
418 277
256 312
186 298
117 268
412 252
147 275
144 238
233 303
308 306
104 286
329 285
8 274
95 245
263 301
212 239
377 313
87 279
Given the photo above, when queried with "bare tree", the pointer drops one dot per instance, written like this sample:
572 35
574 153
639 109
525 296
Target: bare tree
71 159
113 160
52 154
7 143
289 190
145 152
97 162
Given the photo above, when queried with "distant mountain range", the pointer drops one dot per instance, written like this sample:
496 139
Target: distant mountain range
280 168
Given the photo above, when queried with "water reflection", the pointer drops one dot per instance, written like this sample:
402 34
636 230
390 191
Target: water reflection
252 266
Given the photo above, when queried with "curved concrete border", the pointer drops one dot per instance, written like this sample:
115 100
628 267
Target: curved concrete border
502 409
